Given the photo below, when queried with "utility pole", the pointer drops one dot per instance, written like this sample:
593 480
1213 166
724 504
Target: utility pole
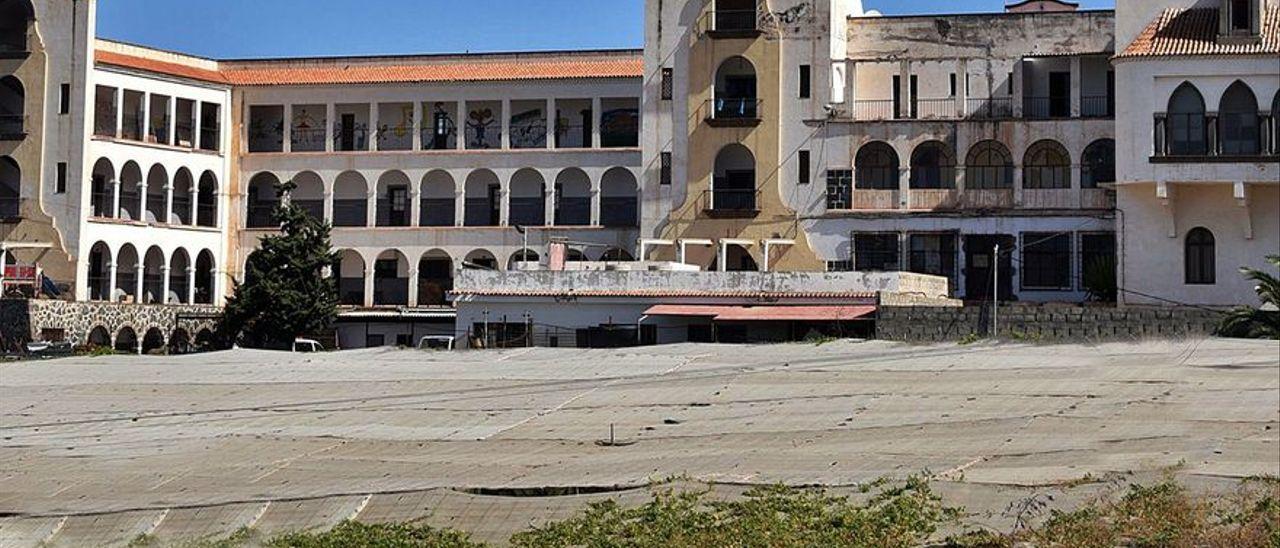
995 292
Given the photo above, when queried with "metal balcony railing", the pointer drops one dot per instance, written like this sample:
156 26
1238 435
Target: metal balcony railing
392 214
350 139
734 111
206 215
731 201
10 206
313 208
480 212
734 21
1100 106
1058 106
350 213
306 140
943 108
871 110
210 138
991 108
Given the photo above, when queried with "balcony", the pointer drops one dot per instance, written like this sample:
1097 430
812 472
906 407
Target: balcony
991 108
437 212
1057 198
1045 108
621 212
733 19
350 212
731 203
573 212
313 208
874 110
934 109
1098 106
933 199
733 112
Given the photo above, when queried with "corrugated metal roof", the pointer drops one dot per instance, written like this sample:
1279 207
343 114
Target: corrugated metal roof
1194 31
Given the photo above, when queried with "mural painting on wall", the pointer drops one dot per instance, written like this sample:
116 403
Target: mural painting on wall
529 130
265 134
307 133
439 128
483 129
620 128
396 132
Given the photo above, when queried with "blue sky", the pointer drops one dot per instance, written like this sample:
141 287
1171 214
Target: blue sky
286 28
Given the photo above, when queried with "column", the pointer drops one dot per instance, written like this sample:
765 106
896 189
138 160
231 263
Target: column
506 124
595 122
595 206
962 87
418 126
373 127
119 111
115 198
904 90
504 206
146 120
195 199
328 207
137 285
330 115
4 262
415 205
371 207
552 122
1076 87
168 202
904 184
173 121
111 281
460 208
191 285
1017 184
215 287
460 123
287 137
413 283
368 286
1016 87
142 198
549 204
164 284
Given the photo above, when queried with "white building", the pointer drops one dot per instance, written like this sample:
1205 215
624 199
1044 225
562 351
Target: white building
1199 170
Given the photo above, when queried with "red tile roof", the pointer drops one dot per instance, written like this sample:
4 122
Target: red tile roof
1195 32
332 72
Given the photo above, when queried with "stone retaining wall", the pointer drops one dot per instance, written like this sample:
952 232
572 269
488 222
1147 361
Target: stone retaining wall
1043 323
22 321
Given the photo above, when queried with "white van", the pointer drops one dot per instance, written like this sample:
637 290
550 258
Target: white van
436 342
307 346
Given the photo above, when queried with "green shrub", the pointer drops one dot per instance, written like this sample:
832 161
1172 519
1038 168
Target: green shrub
352 534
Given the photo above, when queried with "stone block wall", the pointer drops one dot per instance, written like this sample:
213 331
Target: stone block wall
22 321
1043 323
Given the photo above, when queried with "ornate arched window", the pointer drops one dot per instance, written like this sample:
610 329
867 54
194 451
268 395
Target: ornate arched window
989 166
1238 121
1186 132
1047 166
876 167
1098 164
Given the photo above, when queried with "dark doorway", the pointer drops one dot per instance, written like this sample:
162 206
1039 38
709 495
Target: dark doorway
1060 94
399 198
978 256
495 205
348 132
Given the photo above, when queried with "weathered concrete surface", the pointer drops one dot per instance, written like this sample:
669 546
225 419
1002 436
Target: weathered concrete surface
98 451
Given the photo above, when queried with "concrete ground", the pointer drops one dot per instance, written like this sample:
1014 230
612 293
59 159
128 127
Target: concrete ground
96 451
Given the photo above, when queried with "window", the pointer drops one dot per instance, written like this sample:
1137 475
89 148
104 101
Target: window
60 187
1046 261
839 189
989 167
933 254
210 127
839 266
1239 122
1097 253
1047 167
664 177
877 167
1240 17
876 252
1098 164
1186 123
1201 257
806 80
953 85
933 166
668 87
64 99
804 175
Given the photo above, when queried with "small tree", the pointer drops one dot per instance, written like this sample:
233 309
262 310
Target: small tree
289 290
1257 323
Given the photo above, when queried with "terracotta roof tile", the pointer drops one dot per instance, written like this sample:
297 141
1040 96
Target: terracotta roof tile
329 73
1195 32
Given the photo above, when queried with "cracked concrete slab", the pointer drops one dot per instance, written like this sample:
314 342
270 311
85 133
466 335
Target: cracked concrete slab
100 450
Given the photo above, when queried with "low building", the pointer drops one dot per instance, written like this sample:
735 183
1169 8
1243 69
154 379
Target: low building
610 308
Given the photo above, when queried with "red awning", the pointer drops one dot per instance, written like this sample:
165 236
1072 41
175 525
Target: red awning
765 313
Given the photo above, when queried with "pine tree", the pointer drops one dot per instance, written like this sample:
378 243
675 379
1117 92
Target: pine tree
290 290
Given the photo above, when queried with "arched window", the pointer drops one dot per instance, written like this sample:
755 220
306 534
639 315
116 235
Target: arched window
619 199
1201 257
262 201
933 165
989 166
1047 166
1186 130
877 167
735 92
734 185
1098 164
1239 122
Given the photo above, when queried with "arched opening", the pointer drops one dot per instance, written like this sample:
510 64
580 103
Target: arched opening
393 199
481 259
251 269
439 195
574 255
391 279
102 195
484 199
350 272
204 278
1046 167
262 201
735 91
1239 122
153 341
127 271
573 198
737 259
130 192
12 108
153 276
877 167
180 342
180 272
619 199
99 276
99 337
127 340
1201 257
184 190
10 187
1187 134
988 167
616 255
204 340
350 200
309 194
933 166
528 198
157 194
435 278
1098 165
207 201
1275 125
521 258
15 17
733 187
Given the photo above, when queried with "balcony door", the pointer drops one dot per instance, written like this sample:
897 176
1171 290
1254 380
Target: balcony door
1060 94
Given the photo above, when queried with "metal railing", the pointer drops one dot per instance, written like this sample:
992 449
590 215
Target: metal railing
206 215
934 108
350 139
734 20
350 212
731 200
433 141
990 108
735 108
480 212
391 214
1058 106
573 136
210 138
306 140
131 126
10 206
874 109
1099 106
313 208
